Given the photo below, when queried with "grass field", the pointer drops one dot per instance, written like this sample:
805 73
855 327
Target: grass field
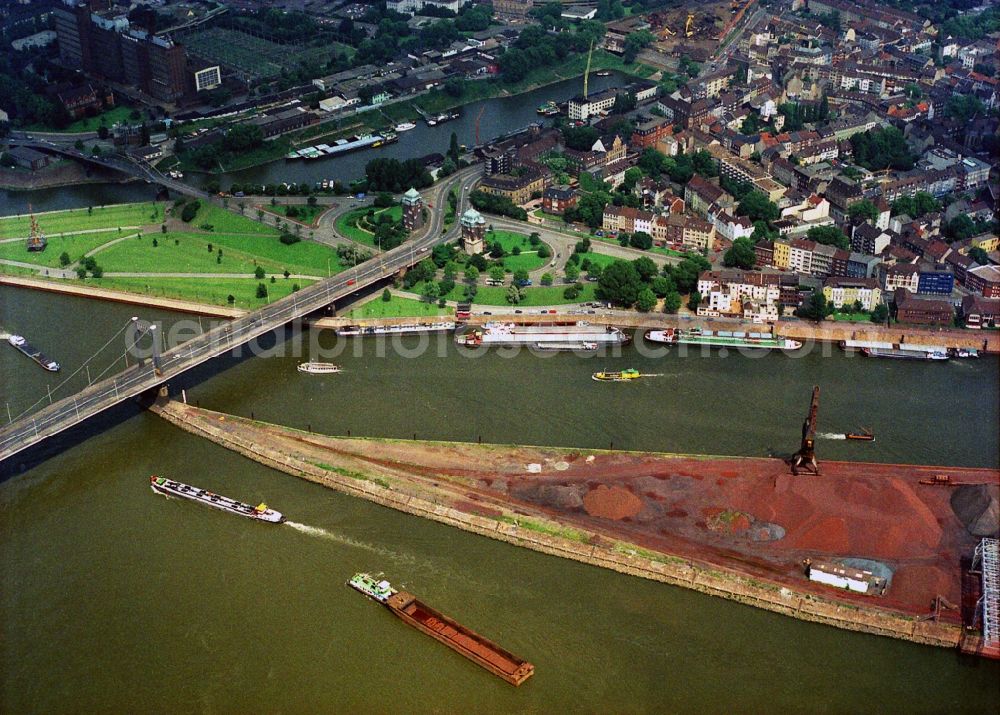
107 119
345 223
398 307
542 295
306 214
223 221
599 259
215 291
109 217
528 260
75 245
188 253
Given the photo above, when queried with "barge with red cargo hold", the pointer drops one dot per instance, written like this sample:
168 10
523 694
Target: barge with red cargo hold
440 627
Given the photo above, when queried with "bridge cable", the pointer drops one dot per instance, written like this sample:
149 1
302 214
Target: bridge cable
83 365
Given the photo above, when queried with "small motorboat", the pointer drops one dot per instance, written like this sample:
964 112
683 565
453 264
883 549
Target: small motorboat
319 368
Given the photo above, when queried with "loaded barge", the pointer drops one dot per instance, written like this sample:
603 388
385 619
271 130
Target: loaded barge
721 339
34 353
171 488
440 627
897 351
580 333
352 330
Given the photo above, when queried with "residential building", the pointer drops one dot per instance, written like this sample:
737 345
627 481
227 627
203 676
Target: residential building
841 291
935 282
410 7
900 275
910 309
984 280
688 232
556 199
979 312
518 187
866 238
752 296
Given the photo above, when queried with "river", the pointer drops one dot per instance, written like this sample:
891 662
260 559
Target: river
113 599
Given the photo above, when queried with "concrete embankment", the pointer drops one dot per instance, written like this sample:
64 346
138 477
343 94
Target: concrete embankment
115 296
294 452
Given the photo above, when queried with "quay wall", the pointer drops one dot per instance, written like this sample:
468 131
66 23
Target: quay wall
704 578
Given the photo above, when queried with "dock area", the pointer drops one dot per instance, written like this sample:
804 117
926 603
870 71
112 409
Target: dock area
735 527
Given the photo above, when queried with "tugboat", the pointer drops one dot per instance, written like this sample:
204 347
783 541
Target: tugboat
34 353
619 376
549 109
864 435
169 487
319 368
366 584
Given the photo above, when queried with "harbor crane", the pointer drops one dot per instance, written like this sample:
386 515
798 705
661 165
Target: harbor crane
806 456
586 73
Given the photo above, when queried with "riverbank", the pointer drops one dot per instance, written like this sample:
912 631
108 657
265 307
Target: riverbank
604 508
58 174
116 296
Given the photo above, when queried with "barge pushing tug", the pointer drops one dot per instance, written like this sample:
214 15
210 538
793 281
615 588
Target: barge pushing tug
171 488
440 627
503 334
34 353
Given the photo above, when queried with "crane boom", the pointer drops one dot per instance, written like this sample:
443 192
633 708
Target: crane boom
806 456
586 73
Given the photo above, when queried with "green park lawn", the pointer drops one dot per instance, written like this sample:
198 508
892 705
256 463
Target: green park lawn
188 253
108 119
223 221
533 296
76 245
214 291
346 224
398 307
306 214
598 259
74 220
853 317
528 259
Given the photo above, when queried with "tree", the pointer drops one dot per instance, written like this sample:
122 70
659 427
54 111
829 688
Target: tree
829 236
672 302
261 291
471 274
430 292
64 259
620 283
78 145
497 273
641 239
975 253
572 272
740 255
634 42
386 296
231 299
882 148
685 273
960 227
645 268
646 300
520 275
863 209
661 285
453 148
513 295
259 273
544 251
693 300
757 207
815 308
546 279
880 313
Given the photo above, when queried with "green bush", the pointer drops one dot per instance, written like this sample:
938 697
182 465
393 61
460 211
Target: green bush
289 238
189 211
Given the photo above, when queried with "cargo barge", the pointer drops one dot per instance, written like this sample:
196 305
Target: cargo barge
351 330
171 488
479 650
721 339
341 146
505 334
897 351
34 353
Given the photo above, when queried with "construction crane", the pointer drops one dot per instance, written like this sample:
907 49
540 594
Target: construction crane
687 25
586 73
806 456
36 239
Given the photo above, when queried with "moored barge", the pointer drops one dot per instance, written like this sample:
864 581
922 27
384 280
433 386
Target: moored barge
721 339
440 627
501 334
